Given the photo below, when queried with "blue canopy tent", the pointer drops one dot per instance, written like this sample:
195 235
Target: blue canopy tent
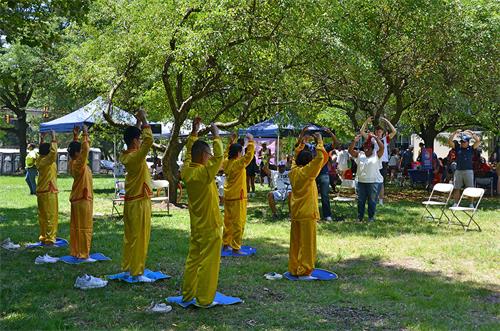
268 129
272 128
89 115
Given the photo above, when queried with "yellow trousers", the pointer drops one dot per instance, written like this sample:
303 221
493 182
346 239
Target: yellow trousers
137 220
48 213
201 275
302 254
235 217
80 228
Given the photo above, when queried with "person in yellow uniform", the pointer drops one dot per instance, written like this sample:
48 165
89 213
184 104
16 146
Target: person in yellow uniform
235 192
201 274
304 208
81 197
138 193
48 208
31 171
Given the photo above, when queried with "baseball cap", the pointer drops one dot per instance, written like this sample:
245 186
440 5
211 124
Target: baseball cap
281 163
464 137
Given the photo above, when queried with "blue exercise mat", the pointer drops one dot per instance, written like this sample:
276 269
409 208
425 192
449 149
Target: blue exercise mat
73 260
320 274
220 299
244 251
154 275
60 242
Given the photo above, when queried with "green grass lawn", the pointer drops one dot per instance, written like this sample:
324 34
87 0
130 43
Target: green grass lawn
397 273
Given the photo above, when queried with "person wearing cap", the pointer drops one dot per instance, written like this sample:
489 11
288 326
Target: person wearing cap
386 139
464 173
282 187
368 174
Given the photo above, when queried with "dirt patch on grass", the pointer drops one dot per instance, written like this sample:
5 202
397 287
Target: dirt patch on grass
403 263
493 298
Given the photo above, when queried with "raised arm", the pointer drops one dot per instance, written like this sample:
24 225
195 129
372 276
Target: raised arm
351 150
334 138
363 127
191 139
215 161
389 124
42 137
247 158
380 151
477 139
85 143
313 168
52 156
451 144
232 139
147 136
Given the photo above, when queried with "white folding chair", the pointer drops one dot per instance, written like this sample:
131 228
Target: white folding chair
345 191
439 198
469 192
161 185
119 197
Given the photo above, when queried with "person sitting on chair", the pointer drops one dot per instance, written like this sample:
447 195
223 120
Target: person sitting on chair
282 187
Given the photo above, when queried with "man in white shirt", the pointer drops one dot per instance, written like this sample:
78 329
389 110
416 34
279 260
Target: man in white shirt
282 187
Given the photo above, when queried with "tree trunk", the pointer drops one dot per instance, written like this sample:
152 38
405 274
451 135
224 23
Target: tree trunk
171 168
22 127
428 135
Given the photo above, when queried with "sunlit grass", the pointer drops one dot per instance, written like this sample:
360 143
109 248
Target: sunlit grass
399 272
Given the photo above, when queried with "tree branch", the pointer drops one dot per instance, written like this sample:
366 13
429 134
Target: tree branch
165 76
131 64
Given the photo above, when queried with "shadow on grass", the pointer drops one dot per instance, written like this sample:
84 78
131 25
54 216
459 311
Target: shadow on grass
370 293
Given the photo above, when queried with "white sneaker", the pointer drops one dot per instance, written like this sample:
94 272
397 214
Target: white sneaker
273 276
159 308
8 244
46 259
143 279
328 218
88 282
381 202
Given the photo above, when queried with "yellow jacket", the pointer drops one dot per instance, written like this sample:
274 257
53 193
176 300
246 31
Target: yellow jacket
235 187
31 159
47 171
203 196
82 184
304 200
138 179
